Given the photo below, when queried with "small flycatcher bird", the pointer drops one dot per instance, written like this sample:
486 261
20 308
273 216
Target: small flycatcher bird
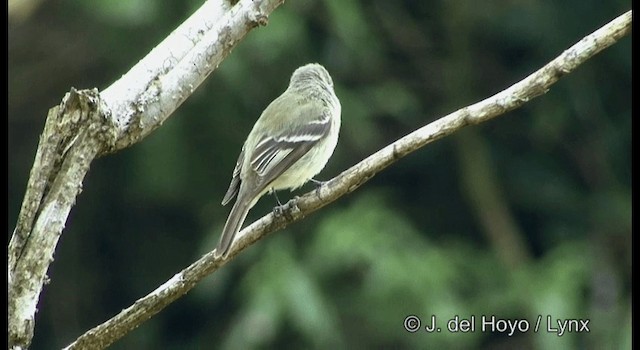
290 143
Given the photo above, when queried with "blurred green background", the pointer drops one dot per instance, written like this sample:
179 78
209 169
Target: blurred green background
526 215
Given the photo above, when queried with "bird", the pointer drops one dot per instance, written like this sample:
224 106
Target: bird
290 143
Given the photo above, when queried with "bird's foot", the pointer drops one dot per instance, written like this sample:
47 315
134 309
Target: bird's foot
286 209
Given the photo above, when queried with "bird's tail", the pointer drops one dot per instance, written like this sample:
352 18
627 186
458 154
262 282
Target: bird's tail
232 226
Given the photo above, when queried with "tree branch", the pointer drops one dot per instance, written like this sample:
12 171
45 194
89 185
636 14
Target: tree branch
88 124
515 96
145 97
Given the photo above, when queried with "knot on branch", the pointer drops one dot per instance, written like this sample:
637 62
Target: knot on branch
257 17
83 111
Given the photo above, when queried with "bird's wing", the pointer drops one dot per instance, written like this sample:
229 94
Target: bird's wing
234 186
274 154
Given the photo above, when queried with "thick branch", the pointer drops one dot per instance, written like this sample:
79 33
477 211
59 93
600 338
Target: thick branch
73 136
88 124
145 97
509 99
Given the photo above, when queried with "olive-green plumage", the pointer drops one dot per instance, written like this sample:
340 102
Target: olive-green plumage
289 144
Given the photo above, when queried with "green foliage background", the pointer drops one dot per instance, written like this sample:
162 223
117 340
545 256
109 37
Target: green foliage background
527 215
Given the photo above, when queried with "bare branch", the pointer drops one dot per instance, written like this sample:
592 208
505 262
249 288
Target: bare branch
515 96
72 137
145 97
88 124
